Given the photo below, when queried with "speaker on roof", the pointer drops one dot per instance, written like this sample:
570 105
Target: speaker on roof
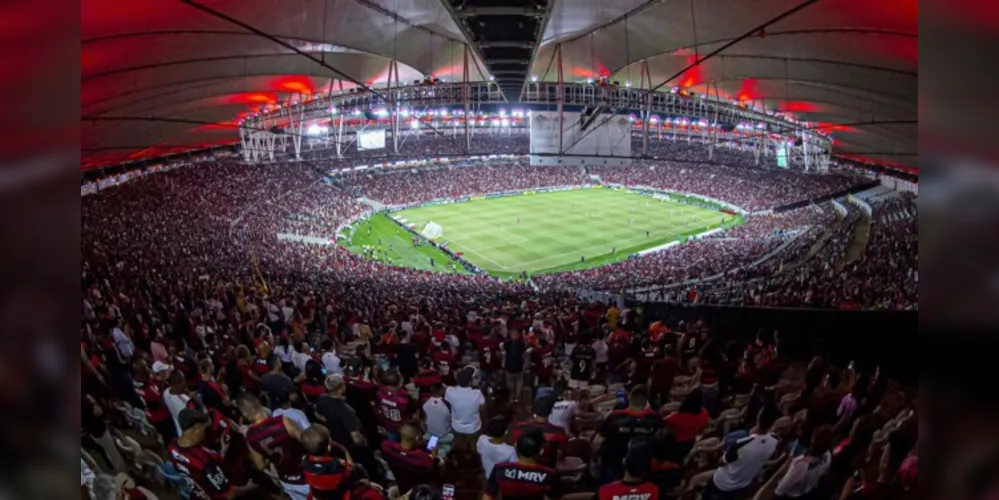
726 126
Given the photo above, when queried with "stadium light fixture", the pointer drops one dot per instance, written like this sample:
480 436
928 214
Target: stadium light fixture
357 112
415 124
654 119
627 83
381 112
534 78
589 81
443 111
492 78
333 110
505 122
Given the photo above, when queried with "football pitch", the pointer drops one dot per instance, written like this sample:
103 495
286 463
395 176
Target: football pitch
547 232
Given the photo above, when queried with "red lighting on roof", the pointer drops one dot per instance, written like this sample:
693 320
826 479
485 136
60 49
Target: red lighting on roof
298 84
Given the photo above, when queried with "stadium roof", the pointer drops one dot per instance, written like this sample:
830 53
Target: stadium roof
194 67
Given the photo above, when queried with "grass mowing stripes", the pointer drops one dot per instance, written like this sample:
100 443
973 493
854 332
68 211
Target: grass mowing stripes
547 232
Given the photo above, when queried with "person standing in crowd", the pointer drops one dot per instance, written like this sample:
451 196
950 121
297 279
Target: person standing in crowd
343 424
275 440
554 436
212 395
565 409
277 385
394 405
176 397
582 360
330 471
661 375
620 427
446 363
284 409
150 389
525 479
634 485
426 378
492 447
92 422
886 485
409 461
466 411
804 472
514 351
313 386
688 421
204 467
490 359
543 361
437 415
744 459
331 362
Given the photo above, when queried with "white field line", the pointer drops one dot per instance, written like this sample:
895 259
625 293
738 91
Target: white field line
624 244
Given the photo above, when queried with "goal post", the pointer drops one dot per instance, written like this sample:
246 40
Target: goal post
432 231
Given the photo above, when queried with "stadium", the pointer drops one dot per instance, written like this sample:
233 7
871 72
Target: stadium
468 249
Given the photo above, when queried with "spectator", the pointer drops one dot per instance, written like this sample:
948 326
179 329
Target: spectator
744 459
688 422
466 411
637 464
394 405
437 415
330 472
284 409
176 397
93 424
525 478
203 466
276 384
805 472
514 352
620 427
554 436
409 461
492 447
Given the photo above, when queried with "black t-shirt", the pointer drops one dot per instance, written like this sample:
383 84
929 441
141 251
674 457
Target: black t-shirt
93 425
513 361
582 359
405 357
341 419
619 427
278 385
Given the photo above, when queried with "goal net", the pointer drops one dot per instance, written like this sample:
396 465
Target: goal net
432 231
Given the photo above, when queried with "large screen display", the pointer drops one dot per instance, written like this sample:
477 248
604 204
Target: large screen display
371 139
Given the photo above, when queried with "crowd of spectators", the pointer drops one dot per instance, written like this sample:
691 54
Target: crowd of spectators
416 186
751 188
884 276
697 258
203 328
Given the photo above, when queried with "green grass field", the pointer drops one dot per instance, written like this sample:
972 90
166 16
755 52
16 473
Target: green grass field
397 246
553 232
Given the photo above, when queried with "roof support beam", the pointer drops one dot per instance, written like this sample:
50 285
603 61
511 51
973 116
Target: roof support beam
499 11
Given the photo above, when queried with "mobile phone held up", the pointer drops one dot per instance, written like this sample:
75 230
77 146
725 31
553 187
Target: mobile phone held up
432 443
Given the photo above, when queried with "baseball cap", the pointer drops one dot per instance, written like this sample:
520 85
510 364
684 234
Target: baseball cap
334 382
189 418
160 367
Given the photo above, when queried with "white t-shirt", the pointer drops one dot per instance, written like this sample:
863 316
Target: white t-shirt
753 455
465 403
295 415
438 417
175 403
562 413
124 344
492 454
600 347
300 359
332 364
803 475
